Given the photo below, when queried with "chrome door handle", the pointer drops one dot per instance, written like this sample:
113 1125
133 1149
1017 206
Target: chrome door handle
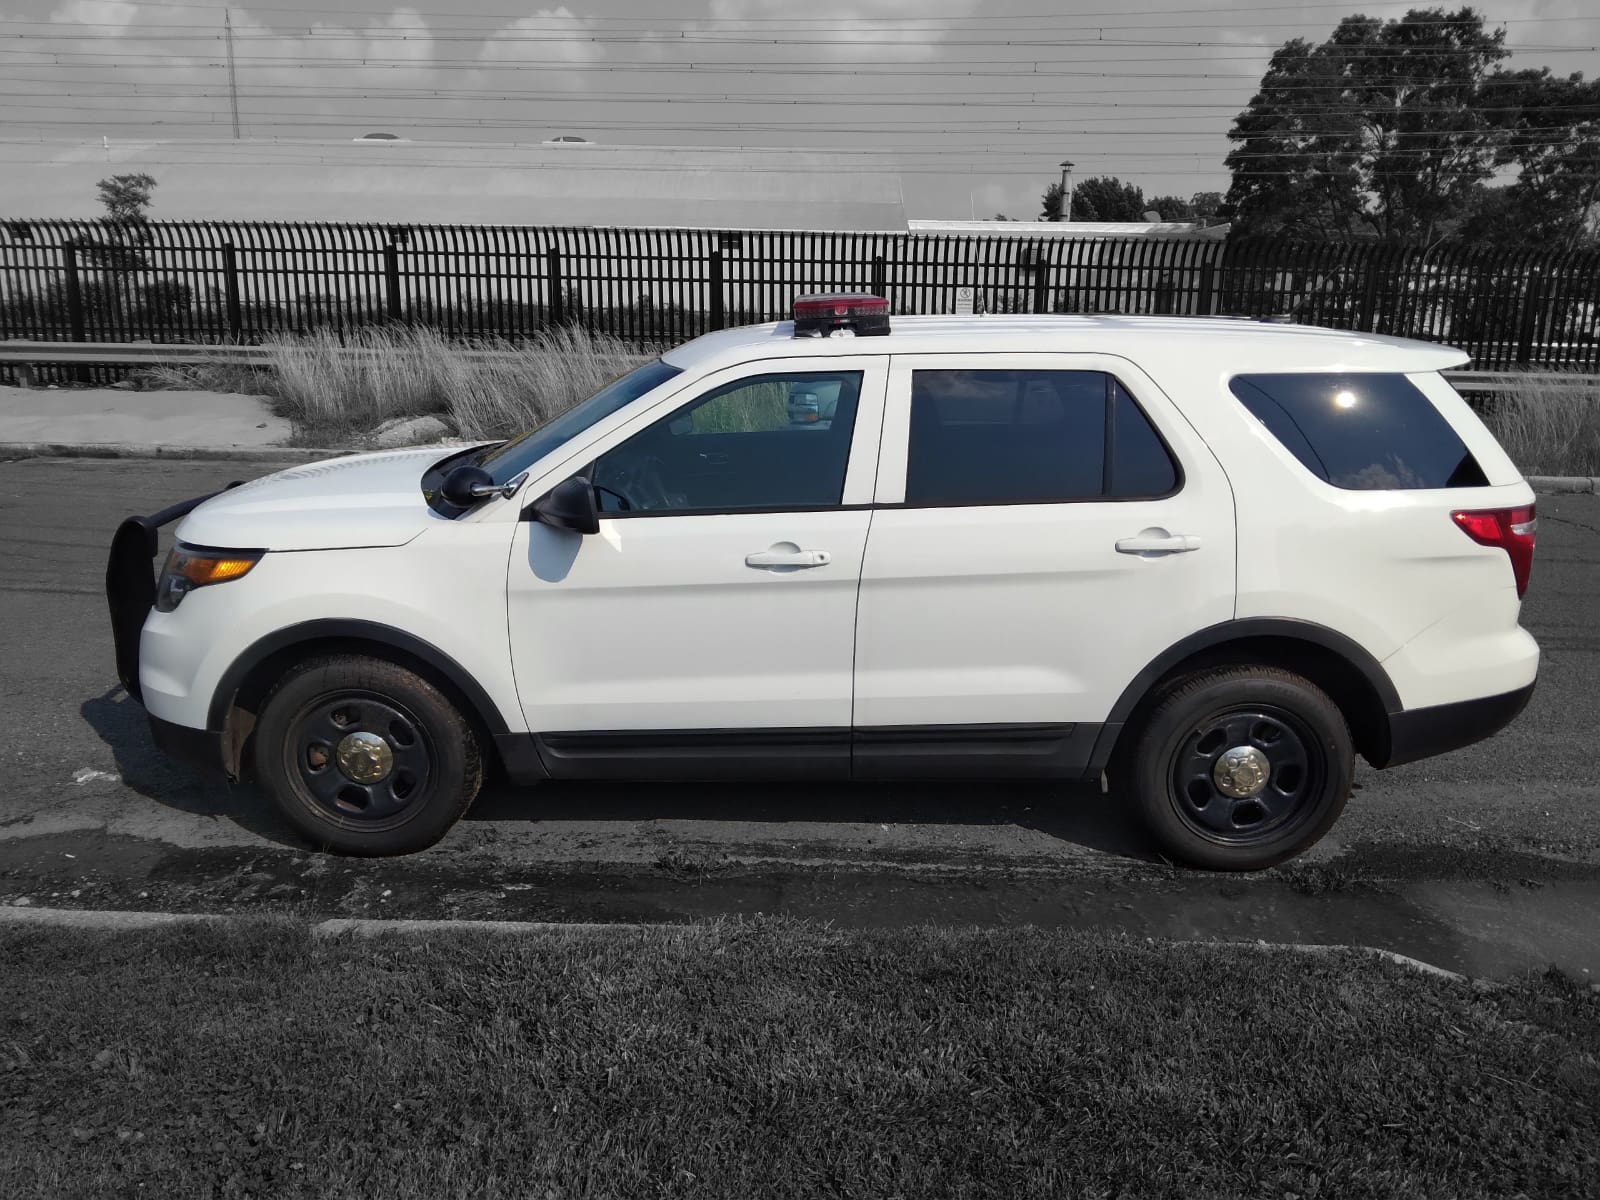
787 554
1158 541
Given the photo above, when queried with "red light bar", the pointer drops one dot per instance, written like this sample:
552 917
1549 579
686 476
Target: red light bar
857 313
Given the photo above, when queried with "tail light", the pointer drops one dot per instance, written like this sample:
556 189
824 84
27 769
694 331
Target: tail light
1514 530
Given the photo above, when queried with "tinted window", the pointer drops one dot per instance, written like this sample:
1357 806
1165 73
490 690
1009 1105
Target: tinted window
1363 432
522 451
1021 437
770 441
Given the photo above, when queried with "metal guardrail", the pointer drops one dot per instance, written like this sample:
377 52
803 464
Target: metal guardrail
1506 381
24 355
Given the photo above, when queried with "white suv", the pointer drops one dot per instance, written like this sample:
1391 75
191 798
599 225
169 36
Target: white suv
1209 559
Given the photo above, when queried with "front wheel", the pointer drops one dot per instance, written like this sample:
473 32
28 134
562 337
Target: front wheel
1239 768
365 757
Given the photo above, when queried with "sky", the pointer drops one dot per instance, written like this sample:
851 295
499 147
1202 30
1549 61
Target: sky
974 102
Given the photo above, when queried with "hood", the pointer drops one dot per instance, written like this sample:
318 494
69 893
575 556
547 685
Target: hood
363 500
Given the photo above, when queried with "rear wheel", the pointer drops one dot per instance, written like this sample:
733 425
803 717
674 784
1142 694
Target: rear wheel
1239 768
365 757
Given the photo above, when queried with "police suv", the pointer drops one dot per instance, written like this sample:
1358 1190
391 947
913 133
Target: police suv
1209 561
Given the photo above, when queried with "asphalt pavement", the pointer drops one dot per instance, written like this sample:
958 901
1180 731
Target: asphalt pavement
1487 859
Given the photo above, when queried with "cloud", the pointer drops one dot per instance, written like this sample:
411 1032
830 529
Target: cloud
548 33
847 29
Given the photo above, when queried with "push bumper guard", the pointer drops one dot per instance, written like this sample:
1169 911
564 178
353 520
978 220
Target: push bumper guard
131 582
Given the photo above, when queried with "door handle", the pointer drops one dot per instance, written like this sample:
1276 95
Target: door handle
1158 541
787 554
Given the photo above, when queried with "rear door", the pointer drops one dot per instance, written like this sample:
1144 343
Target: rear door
1046 525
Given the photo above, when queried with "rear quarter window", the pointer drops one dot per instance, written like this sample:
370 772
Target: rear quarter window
1362 432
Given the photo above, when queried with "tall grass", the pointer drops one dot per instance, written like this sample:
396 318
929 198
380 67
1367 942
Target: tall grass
343 390
1549 429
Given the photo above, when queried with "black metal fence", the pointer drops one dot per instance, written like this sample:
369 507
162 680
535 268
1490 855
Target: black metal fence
212 281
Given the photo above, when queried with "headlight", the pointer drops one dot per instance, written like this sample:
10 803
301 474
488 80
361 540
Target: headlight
187 568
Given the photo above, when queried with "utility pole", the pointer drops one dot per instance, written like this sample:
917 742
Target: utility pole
233 82
1066 191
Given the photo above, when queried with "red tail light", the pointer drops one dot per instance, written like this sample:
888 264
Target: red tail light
1514 530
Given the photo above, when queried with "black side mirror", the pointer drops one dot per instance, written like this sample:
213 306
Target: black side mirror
570 505
466 485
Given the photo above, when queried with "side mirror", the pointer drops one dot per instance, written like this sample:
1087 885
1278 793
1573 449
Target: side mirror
569 505
465 486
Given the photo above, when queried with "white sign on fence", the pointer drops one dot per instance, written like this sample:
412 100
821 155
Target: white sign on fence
963 302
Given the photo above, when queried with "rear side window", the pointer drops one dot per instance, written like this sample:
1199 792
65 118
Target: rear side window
1030 437
1364 432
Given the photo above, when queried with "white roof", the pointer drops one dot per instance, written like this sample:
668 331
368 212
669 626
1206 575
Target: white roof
418 182
1157 230
1240 344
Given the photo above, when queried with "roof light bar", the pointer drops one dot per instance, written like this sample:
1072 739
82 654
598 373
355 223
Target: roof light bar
841 314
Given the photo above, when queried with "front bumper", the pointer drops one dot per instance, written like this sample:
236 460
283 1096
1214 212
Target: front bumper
1420 733
131 582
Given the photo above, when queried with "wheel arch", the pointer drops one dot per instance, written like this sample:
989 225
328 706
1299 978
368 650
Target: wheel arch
1352 677
236 701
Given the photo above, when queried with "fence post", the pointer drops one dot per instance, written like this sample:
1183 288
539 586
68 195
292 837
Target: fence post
1205 304
69 256
230 285
1532 300
391 280
555 294
1367 319
879 286
1041 280
719 315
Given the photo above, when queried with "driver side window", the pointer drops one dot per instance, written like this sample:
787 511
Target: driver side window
779 441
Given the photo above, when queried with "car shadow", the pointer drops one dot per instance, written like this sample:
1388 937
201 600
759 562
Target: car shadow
1079 814
120 722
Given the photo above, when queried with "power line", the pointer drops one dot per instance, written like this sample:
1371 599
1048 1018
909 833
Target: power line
984 18
654 99
380 35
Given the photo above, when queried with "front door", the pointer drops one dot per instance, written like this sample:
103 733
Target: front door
1047 524
709 626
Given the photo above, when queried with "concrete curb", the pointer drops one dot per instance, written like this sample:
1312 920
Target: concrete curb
368 927
265 454
1403 960
117 921
1565 485
114 920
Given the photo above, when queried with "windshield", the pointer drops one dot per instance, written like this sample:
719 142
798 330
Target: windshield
508 459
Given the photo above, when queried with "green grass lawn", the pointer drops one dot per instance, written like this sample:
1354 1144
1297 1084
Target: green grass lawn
773 1059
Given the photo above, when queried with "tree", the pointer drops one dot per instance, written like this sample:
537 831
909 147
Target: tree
1550 131
1107 198
1206 206
1378 132
1172 208
1102 198
126 199
1052 203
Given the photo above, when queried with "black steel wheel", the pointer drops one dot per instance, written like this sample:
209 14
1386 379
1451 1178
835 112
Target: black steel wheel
365 757
1239 768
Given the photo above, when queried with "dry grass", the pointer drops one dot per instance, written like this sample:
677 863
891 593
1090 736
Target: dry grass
338 391
1549 430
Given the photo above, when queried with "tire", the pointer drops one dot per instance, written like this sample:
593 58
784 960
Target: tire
1204 814
416 764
